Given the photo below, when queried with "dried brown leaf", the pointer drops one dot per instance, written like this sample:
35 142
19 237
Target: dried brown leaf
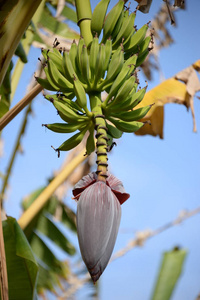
179 3
144 5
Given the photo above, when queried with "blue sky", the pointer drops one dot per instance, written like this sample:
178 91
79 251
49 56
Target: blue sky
162 176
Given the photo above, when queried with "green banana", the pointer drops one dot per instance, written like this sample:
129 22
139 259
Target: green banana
132 62
84 63
113 131
72 142
134 42
108 52
57 52
133 115
71 104
126 105
142 58
79 52
111 20
144 46
67 114
115 66
126 126
53 97
123 92
118 26
50 80
126 30
100 71
45 84
90 144
45 53
80 94
94 51
64 128
118 82
98 17
69 71
132 101
73 54
69 95
58 78
137 97
57 60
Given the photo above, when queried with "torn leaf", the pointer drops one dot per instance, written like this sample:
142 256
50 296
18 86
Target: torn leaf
179 89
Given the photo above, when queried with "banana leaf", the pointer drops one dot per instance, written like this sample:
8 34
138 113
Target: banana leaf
22 267
48 227
169 273
44 236
50 23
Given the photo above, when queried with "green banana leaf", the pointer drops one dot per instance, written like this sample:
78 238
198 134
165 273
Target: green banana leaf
66 215
169 273
50 23
44 236
22 267
48 227
69 13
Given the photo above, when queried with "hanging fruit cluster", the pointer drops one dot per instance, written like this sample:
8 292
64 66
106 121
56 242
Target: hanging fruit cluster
79 77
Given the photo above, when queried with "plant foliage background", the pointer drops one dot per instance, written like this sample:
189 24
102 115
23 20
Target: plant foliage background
162 176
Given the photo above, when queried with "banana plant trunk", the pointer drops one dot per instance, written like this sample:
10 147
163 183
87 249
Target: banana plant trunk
14 19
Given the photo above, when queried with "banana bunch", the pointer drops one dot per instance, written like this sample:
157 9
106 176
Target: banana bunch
75 76
86 65
119 107
118 25
89 64
75 118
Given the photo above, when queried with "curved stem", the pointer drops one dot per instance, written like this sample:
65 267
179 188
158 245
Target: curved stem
84 15
101 136
44 197
20 105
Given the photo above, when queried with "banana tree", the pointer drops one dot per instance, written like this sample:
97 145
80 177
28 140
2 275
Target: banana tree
102 62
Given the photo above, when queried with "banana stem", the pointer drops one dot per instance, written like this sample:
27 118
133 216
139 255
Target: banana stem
84 15
101 136
19 106
44 197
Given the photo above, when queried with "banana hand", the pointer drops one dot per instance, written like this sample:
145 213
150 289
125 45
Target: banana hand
126 126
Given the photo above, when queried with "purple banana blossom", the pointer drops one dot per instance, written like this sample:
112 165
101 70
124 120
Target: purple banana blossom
98 219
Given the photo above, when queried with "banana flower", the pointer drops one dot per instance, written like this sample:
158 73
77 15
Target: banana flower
98 219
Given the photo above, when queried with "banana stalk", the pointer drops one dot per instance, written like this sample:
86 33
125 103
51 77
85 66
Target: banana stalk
101 136
44 197
14 22
84 16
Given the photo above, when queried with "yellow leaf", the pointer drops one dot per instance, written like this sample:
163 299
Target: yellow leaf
169 91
